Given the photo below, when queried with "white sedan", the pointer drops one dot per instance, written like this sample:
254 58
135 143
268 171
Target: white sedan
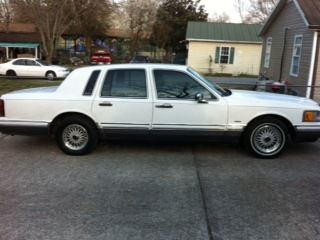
29 67
157 101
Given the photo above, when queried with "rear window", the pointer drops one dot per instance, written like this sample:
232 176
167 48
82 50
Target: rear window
91 83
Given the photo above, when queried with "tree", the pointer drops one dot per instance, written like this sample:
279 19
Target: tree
140 16
259 10
220 18
53 17
91 21
172 19
241 8
6 13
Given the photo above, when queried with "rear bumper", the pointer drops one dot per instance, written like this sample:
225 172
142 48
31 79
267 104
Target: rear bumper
24 128
307 133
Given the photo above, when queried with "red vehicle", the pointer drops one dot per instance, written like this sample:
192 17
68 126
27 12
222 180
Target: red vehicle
101 57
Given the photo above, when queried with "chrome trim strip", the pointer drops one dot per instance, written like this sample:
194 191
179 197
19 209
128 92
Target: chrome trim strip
301 128
19 123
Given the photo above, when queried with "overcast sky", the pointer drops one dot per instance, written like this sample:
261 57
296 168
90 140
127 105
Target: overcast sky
220 6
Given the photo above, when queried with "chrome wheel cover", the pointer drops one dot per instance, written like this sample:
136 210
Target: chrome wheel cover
75 137
268 139
50 76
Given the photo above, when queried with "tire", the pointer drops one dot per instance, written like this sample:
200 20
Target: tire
11 73
76 135
266 137
51 75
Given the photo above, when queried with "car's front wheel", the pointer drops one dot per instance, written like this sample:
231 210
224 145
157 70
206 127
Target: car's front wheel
76 135
266 137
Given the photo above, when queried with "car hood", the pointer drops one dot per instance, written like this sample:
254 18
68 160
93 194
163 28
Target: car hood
264 99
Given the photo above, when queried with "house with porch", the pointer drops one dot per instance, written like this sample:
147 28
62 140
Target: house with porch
291 46
19 40
224 48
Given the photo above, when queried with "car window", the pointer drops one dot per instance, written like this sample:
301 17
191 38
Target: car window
91 83
125 83
31 63
178 85
19 62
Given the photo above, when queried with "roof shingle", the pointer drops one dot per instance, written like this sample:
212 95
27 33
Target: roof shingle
311 10
231 32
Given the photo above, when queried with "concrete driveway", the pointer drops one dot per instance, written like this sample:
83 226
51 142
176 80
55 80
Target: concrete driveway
157 191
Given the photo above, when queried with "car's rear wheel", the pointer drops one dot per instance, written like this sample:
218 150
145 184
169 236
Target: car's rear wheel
76 135
50 75
266 137
11 73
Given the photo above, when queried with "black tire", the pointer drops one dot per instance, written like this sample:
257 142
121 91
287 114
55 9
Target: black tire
50 75
76 135
266 137
11 73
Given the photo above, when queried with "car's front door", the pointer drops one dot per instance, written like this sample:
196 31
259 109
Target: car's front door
177 111
33 69
123 104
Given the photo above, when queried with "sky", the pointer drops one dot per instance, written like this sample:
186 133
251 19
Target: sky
220 6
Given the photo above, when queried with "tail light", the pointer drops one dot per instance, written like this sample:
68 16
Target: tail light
1 108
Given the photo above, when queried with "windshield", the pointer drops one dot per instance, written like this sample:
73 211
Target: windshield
210 84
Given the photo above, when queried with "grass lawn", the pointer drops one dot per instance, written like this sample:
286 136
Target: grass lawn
9 85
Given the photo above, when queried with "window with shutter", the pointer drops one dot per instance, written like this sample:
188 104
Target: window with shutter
225 55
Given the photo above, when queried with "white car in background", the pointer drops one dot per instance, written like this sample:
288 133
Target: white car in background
31 67
157 101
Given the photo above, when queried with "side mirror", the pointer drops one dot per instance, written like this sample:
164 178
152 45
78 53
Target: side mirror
200 98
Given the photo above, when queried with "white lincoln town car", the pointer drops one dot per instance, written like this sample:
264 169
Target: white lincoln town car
157 101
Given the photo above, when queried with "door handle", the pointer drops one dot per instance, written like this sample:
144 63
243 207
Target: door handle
106 104
166 105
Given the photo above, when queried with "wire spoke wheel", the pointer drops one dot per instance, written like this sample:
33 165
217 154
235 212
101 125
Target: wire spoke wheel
75 137
268 139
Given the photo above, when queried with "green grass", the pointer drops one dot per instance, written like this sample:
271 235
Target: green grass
9 85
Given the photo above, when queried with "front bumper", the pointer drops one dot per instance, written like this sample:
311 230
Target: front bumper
307 133
62 74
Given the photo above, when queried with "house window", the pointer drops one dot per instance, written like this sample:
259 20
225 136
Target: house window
296 55
224 55
268 52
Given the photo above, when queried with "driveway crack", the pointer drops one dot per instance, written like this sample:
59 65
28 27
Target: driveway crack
203 197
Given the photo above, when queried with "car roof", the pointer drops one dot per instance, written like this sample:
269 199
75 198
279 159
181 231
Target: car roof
35 59
136 65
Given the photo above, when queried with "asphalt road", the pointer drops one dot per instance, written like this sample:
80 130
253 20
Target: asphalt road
157 191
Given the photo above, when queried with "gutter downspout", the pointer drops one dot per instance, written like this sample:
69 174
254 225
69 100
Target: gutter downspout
312 65
283 51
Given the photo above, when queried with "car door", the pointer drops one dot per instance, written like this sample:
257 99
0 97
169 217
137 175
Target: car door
175 110
19 66
33 69
124 103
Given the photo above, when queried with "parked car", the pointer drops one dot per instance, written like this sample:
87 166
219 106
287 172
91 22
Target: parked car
157 101
140 59
31 67
101 57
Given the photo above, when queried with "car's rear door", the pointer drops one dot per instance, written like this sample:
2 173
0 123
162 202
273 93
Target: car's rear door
19 66
123 104
175 110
